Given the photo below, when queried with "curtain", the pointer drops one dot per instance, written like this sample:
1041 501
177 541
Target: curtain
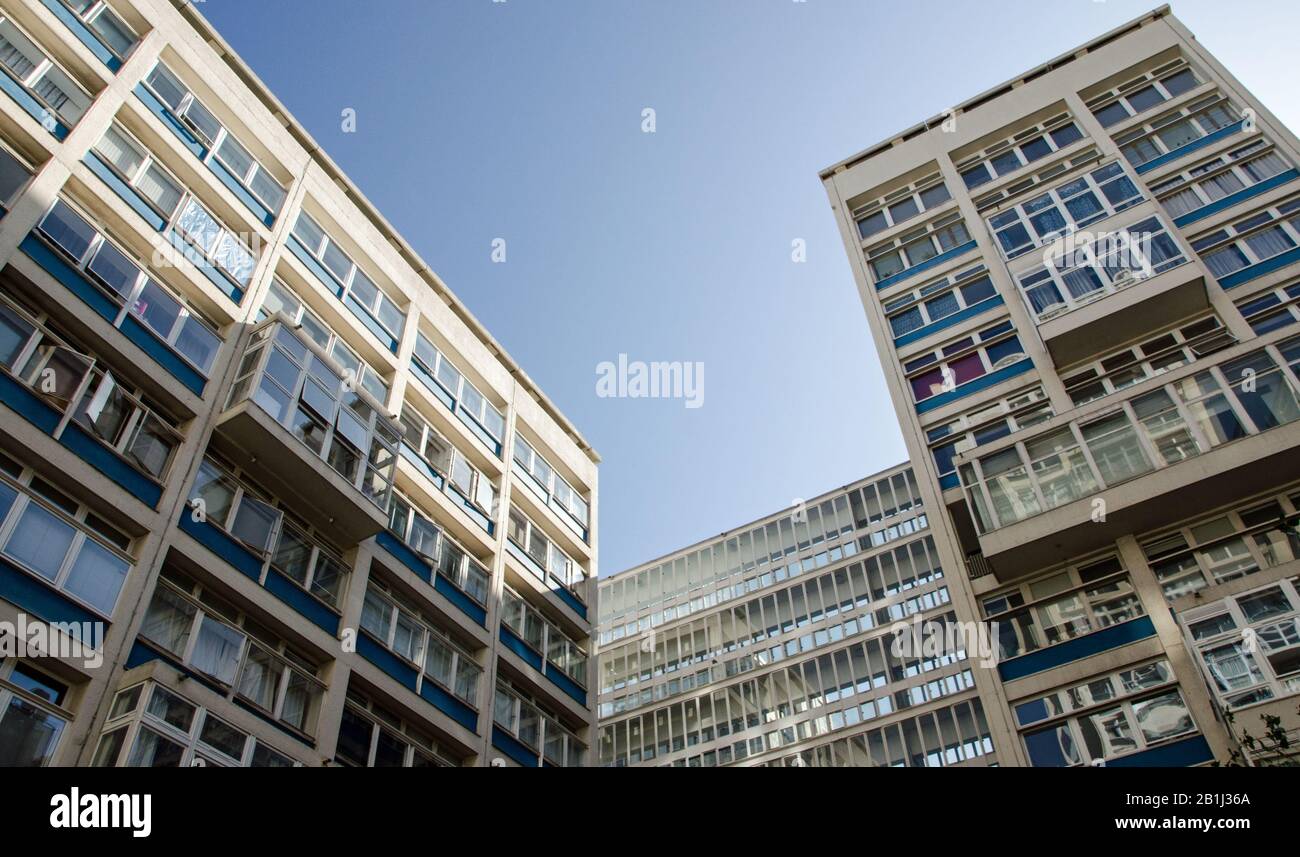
41 540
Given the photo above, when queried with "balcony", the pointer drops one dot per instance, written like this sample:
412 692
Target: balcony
294 418
1178 445
1096 296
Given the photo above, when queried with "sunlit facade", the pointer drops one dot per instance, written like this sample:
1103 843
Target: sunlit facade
320 515
1082 285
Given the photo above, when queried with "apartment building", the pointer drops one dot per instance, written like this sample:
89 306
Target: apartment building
773 644
318 513
1083 288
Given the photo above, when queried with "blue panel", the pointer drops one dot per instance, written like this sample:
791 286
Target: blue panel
262 715
185 135
59 269
572 600
449 705
368 321
100 457
470 509
513 748
512 642
125 191
1080 647
218 279
434 387
316 267
981 383
141 654
1179 754
386 660
293 595
926 265
948 321
148 342
1240 196
83 34
1268 266
28 405
949 480
221 544
254 204
26 592
404 555
480 432
567 519
409 453
566 684
1183 151
462 601
33 107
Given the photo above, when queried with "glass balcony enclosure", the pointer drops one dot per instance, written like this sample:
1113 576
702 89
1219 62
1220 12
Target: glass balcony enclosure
1189 415
306 391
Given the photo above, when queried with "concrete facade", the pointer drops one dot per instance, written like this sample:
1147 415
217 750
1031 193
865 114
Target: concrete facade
1081 287
319 513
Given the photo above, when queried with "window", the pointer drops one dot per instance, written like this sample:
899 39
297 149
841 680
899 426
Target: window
222 145
403 630
1176 129
1249 644
107 26
311 563
537 728
985 425
899 206
551 485
449 559
452 470
548 561
1162 353
937 300
1063 209
292 379
1110 716
544 636
280 298
1026 147
1143 93
222 500
372 737
1223 548
14 175
54 537
465 397
1251 240
35 72
32 716
1219 177
139 294
1065 605
917 247
353 286
98 401
1279 307
170 731
1085 272
203 631
947 368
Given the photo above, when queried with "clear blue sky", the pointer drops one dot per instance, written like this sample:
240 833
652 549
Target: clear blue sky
522 120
